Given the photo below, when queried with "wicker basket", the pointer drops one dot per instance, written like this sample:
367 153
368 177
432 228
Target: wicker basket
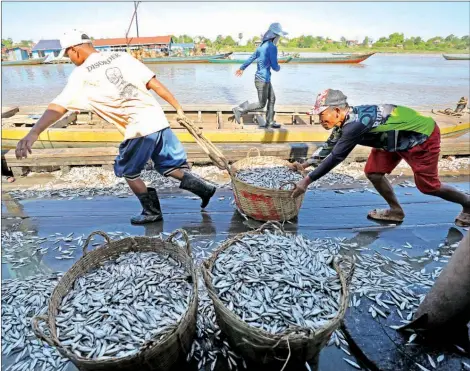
261 203
260 346
162 355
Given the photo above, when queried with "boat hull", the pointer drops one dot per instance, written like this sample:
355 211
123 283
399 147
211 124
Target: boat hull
216 121
28 62
241 61
456 57
352 58
196 59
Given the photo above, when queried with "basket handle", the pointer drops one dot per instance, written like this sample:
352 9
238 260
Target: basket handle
187 247
38 332
207 146
248 154
286 183
271 225
88 240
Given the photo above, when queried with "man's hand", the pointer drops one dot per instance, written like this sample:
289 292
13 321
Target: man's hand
301 187
295 166
180 113
239 72
24 145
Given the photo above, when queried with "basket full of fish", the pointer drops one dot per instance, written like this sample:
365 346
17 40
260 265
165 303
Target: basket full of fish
278 297
129 304
262 186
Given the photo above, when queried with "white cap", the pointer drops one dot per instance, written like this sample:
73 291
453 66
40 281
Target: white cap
72 38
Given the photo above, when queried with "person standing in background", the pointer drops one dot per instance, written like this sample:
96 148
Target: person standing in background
266 56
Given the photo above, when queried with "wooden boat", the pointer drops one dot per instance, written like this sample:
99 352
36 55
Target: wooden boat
63 60
456 57
351 58
85 129
27 62
241 61
193 59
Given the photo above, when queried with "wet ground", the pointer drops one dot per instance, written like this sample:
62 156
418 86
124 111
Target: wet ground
325 213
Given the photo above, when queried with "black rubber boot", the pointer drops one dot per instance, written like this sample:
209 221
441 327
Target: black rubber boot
238 111
270 120
199 187
151 208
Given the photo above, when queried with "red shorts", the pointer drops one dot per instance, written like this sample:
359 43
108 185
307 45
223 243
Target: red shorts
423 160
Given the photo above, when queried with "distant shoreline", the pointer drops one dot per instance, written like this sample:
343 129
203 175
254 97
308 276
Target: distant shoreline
386 51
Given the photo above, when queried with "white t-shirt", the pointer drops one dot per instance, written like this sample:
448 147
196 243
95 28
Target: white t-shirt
113 85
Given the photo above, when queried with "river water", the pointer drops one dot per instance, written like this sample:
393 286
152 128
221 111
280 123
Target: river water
423 81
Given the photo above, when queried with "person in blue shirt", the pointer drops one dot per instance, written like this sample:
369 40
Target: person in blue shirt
266 57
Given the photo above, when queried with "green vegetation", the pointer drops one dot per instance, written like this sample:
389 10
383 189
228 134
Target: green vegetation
394 43
8 43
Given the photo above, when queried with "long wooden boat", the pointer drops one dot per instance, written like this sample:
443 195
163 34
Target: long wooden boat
193 59
351 58
241 61
85 129
27 62
63 60
456 57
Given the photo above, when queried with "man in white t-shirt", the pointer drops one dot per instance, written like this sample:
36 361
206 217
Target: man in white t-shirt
116 87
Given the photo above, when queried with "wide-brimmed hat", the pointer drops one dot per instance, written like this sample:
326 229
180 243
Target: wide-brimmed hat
274 30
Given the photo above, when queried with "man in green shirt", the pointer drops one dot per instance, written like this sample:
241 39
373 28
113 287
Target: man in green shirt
395 133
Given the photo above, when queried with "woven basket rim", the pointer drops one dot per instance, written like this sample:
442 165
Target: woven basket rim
307 334
150 344
282 192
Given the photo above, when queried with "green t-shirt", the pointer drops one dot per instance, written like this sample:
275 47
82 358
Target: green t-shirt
404 118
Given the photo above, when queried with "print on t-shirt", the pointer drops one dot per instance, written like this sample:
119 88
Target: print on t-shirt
126 89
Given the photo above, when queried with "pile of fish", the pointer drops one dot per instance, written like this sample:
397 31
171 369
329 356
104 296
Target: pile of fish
275 282
210 345
116 309
21 301
24 251
386 279
267 176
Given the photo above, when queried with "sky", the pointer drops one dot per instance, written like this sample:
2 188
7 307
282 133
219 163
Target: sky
353 20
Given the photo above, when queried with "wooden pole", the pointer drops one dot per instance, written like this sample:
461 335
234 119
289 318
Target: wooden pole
136 21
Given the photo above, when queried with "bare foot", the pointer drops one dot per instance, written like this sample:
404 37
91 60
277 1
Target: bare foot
392 215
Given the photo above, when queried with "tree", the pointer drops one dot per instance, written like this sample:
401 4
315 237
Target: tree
366 41
451 38
343 40
240 37
229 41
7 43
308 41
26 43
396 39
383 40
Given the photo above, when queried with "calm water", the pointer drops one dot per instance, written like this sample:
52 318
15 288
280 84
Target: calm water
418 81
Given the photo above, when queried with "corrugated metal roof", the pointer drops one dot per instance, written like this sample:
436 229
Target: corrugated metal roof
47 45
133 41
